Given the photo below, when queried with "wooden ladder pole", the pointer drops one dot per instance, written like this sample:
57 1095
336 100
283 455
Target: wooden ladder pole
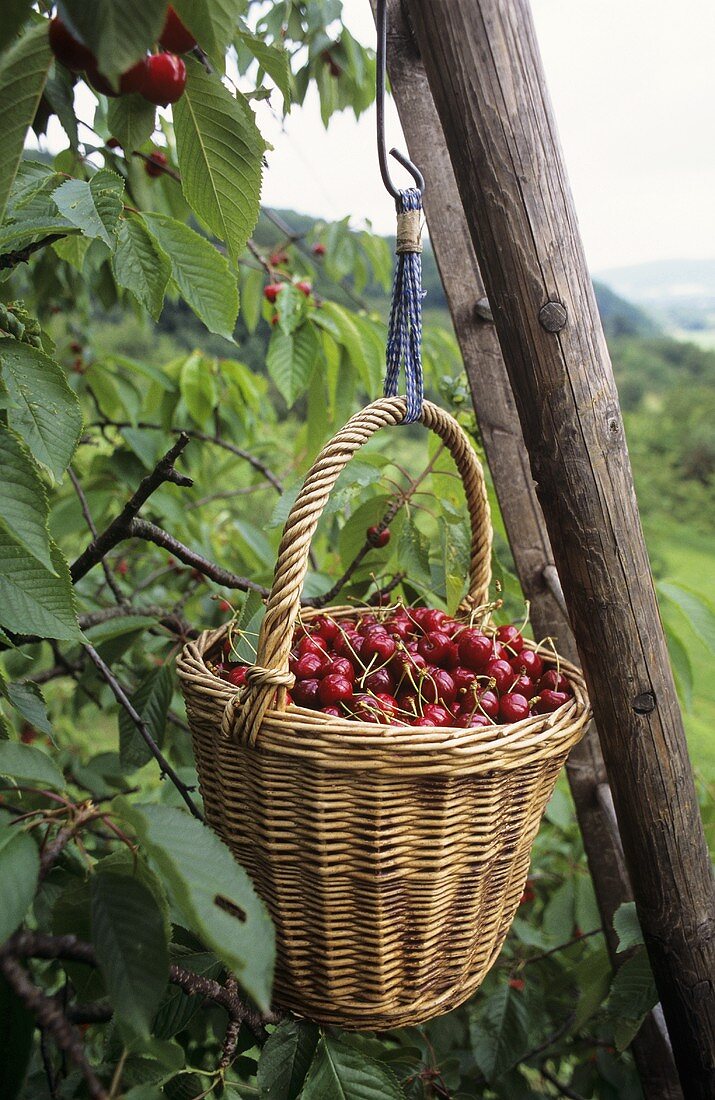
487 81
523 519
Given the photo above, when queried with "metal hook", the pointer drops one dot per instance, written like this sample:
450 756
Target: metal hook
380 81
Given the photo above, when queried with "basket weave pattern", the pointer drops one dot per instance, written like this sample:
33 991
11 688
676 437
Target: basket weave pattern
392 858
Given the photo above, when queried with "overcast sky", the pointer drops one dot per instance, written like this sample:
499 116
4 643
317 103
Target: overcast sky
633 86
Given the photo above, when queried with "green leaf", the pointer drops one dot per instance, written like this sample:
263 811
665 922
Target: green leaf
31 599
339 1072
212 893
42 408
212 23
131 120
19 871
413 553
697 608
201 273
117 34
23 71
252 280
285 1060
591 976
151 699
198 387
220 153
59 93
28 700
17 1029
140 266
291 306
348 334
28 766
627 925
129 938
93 209
23 501
291 360
500 1032
15 12
273 60
633 995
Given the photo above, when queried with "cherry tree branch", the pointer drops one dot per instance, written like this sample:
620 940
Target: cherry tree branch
124 701
117 530
110 579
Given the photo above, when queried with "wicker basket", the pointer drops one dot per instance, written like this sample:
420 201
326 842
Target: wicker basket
392 858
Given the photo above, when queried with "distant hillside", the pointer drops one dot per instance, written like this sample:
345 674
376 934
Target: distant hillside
679 293
620 318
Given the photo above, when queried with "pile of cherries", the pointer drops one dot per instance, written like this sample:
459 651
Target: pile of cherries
159 77
415 667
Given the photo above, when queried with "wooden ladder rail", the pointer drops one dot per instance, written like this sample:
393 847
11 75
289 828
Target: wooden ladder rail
508 462
485 73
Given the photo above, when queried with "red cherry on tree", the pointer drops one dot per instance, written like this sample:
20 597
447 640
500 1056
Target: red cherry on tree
156 162
319 249
100 82
378 536
164 79
271 292
175 36
305 288
72 53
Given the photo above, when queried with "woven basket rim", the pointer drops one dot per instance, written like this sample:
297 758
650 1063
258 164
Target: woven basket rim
299 731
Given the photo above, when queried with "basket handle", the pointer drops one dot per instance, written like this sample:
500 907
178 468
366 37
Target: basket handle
276 635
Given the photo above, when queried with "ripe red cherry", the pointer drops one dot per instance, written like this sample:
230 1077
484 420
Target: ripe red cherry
378 536
471 721
100 82
513 707
523 685
437 715
319 249
398 628
378 647
410 703
112 143
434 647
164 79
433 619
422 722
438 687
369 629
528 662
463 679
156 163
341 666
334 688
308 644
133 79
69 50
475 649
308 667
549 701
510 637
334 712
175 36
488 703
271 292
379 681
501 672
554 681
327 628
305 288
407 665
237 676
345 644
305 693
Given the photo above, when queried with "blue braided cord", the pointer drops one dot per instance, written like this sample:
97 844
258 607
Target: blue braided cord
404 331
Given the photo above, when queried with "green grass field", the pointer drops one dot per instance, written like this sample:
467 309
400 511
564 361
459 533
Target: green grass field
683 555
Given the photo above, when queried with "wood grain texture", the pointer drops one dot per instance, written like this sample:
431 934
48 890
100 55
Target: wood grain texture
487 82
503 442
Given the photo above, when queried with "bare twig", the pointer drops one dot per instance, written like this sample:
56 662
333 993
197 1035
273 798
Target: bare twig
142 529
117 529
85 813
560 1086
51 1019
22 255
233 1028
194 433
124 701
110 579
